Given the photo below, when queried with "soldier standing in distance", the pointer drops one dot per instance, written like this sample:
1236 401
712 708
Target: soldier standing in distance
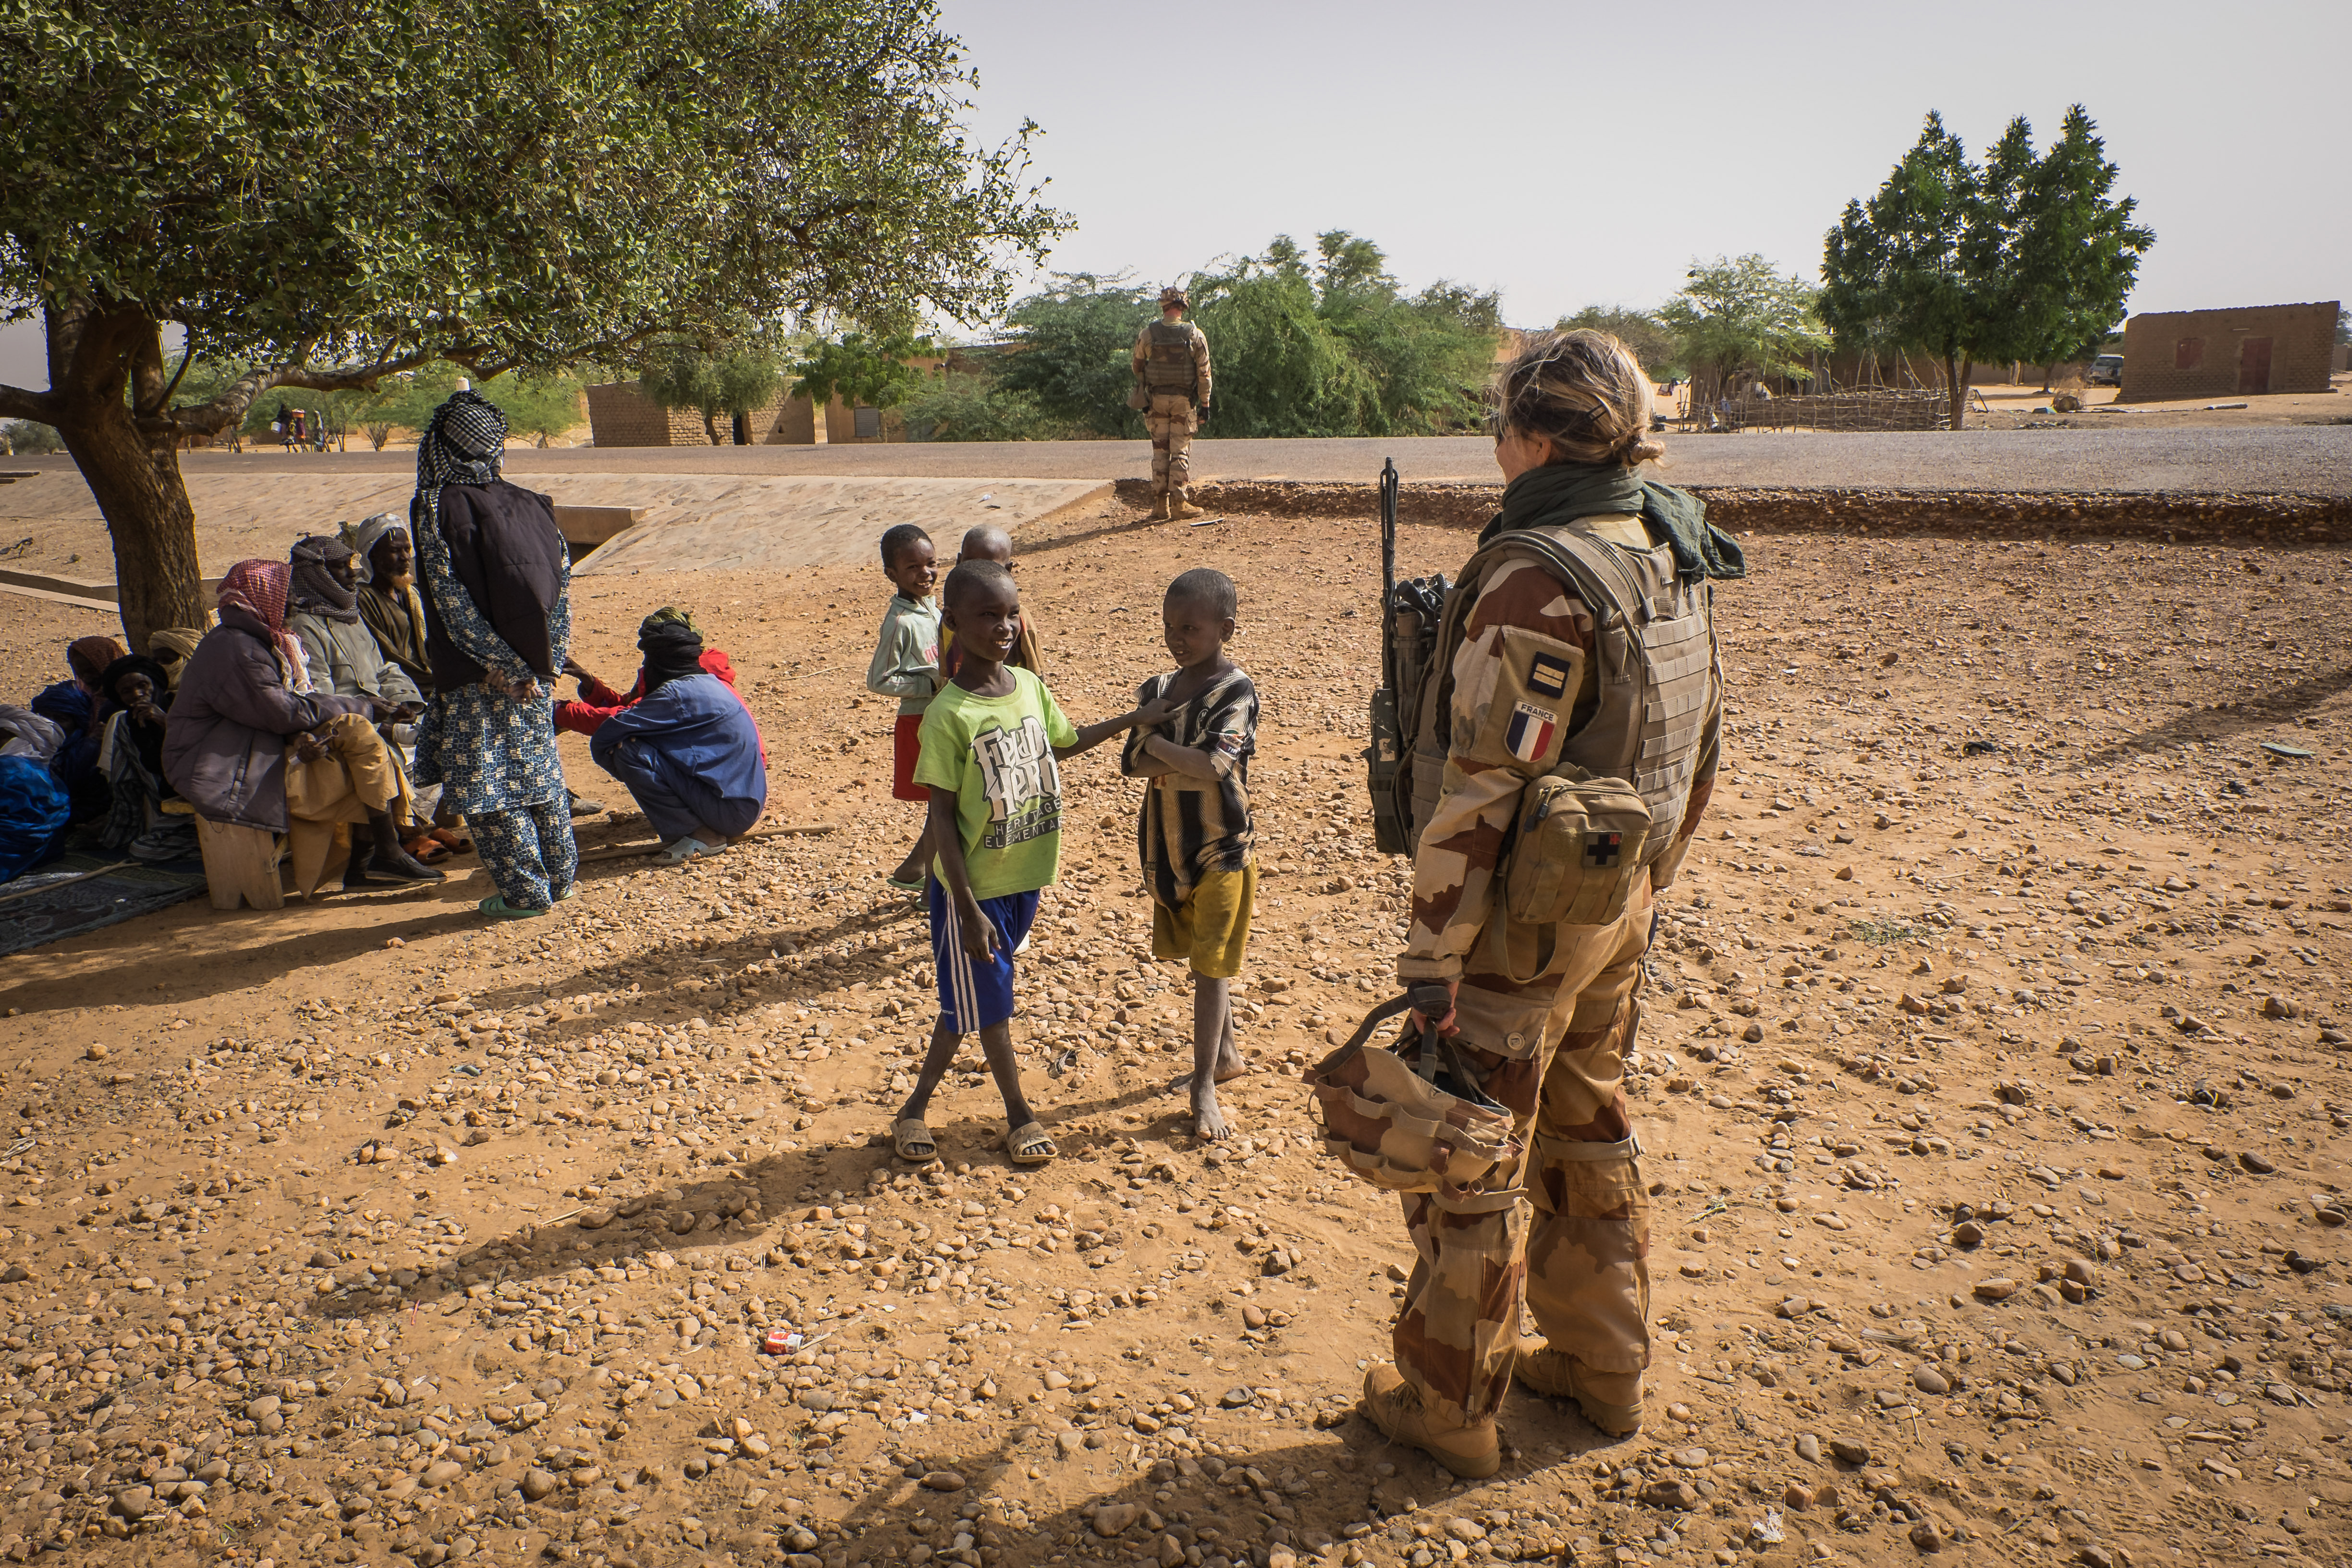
1590 569
1171 372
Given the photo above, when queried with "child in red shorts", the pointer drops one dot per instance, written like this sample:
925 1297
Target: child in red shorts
906 666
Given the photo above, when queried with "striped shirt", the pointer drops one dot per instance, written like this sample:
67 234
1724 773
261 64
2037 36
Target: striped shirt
1188 827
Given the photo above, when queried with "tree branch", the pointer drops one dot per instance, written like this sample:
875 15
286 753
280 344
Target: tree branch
17 403
229 405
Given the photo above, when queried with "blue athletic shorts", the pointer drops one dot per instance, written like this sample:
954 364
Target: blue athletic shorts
976 993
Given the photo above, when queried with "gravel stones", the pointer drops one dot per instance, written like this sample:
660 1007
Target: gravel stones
1928 1380
1808 1447
943 1480
1114 1518
1850 1451
1996 1290
538 1483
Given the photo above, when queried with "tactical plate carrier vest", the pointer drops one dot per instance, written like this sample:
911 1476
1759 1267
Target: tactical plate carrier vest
1654 649
1168 367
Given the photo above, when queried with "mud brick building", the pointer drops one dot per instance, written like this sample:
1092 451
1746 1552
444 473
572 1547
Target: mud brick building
620 415
2176 354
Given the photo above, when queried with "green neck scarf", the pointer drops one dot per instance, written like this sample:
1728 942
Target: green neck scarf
1558 493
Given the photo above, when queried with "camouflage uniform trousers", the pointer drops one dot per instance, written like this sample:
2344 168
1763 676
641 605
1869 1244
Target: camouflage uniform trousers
1171 420
1580 1260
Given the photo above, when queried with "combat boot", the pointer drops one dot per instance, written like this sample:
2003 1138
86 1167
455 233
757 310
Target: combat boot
1180 507
1609 1400
1159 512
1394 1406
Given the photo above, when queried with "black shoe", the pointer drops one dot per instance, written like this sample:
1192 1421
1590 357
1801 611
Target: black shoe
392 867
585 807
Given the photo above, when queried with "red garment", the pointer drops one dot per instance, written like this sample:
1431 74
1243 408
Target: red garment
906 750
599 701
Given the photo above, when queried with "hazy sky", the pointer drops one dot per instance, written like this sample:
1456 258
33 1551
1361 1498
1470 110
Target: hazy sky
1571 154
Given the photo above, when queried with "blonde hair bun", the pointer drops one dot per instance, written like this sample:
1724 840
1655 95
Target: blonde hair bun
1582 391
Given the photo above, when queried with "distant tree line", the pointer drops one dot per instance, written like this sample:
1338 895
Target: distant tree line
2020 257
1327 344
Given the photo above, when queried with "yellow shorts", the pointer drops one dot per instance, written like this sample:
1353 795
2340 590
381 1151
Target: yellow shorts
1211 929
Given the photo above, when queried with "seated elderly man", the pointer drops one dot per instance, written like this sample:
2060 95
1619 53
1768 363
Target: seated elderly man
322 610
387 599
251 742
686 749
346 656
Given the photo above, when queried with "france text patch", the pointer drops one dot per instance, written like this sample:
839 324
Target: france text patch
1547 676
1530 735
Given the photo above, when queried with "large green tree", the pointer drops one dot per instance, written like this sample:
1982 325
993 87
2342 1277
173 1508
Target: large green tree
1070 352
336 191
1742 317
872 369
1654 343
2021 257
1903 271
1334 346
734 377
2072 252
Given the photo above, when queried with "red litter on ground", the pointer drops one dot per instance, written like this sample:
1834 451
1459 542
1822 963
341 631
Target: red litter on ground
776 1341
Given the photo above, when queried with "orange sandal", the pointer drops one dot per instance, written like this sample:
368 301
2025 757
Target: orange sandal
426 848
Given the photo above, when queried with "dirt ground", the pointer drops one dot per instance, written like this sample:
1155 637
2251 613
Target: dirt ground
1990 1079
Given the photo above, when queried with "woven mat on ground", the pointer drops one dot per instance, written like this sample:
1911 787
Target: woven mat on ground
62 899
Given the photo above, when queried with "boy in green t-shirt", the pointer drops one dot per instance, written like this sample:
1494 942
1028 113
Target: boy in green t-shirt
991 740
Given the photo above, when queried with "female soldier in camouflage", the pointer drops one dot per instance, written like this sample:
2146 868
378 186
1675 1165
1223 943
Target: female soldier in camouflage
1578 655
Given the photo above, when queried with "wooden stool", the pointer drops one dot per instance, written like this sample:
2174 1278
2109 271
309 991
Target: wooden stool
240 866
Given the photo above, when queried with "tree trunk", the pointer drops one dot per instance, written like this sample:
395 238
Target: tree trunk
2049 374
96 357
711 425
139 492
1960 392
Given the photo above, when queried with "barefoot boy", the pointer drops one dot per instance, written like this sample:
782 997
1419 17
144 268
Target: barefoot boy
906 666
989 743
1194 831
990 542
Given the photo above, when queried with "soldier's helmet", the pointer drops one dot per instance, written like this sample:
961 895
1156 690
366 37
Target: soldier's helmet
1172 295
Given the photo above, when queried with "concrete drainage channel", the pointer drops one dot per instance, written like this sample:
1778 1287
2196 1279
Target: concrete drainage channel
2169 516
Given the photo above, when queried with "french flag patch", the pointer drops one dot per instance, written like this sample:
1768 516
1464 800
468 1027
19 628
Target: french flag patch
1529 735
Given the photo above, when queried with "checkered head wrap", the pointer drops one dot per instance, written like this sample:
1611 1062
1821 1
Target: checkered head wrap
464 444
259 588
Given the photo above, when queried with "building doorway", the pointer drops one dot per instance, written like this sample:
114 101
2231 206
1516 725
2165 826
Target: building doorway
2254 365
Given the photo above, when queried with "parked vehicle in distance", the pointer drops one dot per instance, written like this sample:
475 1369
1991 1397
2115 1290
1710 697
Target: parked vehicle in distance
2107 370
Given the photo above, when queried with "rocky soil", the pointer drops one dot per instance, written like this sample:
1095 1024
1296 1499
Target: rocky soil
1991 1077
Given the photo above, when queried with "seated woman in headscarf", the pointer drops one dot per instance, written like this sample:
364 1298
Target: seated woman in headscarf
599 701
251 742
149 819
688 748
496 576
33 815
73 705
